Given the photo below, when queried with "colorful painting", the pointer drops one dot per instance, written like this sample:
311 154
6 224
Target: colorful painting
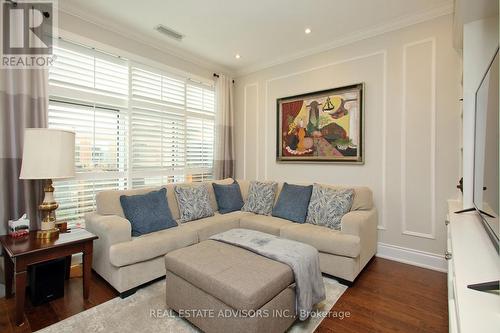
324 126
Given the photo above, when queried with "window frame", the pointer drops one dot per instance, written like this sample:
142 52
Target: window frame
62 93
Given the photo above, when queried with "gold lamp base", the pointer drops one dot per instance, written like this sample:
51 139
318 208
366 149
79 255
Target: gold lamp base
48 207
48 234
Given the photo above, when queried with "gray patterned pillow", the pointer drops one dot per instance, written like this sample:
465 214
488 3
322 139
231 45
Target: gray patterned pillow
260 197
329 205
193 201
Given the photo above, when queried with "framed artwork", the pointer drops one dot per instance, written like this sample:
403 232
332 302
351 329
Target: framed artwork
323 126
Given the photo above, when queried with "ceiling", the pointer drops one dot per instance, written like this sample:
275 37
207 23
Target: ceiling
263 32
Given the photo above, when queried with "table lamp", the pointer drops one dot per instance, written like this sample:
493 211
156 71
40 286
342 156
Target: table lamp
48 154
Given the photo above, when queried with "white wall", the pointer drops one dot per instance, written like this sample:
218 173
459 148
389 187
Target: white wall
479 46
78 30
412 128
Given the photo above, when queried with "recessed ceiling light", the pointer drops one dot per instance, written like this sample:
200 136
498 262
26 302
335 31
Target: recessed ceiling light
307 31
237 56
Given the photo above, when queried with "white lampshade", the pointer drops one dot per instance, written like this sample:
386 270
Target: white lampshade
48 154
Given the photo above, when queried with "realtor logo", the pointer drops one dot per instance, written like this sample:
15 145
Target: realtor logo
27 33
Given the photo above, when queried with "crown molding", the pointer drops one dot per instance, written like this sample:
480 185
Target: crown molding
157 44
373 31
397 24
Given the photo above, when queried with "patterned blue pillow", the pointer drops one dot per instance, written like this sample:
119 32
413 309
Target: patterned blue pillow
193 201
147 212
293 202
329 205
260 197
228 197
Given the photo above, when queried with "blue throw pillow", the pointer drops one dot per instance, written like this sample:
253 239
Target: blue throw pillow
293 202
228 197
147 212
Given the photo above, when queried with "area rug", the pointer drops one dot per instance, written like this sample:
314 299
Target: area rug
134 314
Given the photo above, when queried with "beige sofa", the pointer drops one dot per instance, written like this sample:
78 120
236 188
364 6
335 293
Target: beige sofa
127 262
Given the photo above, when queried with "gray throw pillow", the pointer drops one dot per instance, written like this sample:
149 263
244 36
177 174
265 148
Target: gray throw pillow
328 206
260 197
193 201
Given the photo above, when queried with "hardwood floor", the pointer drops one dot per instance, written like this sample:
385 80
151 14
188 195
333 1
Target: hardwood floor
392 297
47 314
387 297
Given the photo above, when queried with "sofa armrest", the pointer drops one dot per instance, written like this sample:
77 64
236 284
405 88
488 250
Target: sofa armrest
112 229
363 223
358 222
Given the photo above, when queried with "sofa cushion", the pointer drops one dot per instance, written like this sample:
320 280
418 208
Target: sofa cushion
228 197
194 202
293 202
147 212
323 239
244 185
263 223
363 196
328 205
209 226
108 202
239 278
261 196
150 246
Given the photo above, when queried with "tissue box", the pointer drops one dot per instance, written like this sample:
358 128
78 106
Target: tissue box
19 228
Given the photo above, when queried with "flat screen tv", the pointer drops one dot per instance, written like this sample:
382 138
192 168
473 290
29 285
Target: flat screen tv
486 152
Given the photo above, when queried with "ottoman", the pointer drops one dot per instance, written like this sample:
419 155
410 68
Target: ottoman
223 288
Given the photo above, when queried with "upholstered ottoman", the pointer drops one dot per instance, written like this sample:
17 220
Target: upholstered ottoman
223 288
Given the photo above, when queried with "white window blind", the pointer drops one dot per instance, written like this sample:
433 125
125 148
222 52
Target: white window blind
77 197
200 142
100 134
157 88
172 125
88 92
157 139
100 149
200 98
135 126
81 68
142 182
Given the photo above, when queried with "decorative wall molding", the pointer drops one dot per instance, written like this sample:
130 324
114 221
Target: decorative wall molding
384 148
383 53
412 257
400 23
405 231
256 85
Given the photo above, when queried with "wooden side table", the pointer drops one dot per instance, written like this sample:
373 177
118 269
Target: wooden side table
29 250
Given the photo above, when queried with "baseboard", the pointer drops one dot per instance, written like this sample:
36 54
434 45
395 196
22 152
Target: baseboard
412 257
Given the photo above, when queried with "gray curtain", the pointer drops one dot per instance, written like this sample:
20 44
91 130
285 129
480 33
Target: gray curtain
24 104
224 129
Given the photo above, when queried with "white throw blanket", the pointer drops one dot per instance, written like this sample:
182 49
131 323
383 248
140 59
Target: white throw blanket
303 259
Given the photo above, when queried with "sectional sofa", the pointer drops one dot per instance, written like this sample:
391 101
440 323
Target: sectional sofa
127 262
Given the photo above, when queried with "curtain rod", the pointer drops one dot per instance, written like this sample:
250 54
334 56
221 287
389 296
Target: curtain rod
217 76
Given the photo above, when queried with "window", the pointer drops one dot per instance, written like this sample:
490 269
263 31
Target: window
200 124
85 69
100 134
135 126
172 128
